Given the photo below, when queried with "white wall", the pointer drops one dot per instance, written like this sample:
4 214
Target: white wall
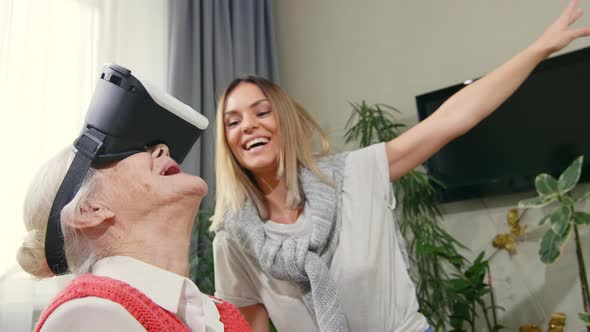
335 51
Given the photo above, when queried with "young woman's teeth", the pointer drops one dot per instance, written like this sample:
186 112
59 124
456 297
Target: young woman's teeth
259 140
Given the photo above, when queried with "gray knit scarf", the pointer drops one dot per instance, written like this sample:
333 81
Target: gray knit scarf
302 259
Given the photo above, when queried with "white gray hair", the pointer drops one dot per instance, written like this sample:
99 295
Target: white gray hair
39 199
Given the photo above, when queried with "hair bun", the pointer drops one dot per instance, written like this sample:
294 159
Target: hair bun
31 255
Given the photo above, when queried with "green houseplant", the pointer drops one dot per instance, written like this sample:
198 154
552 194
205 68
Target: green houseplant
201 269
443 298
563 221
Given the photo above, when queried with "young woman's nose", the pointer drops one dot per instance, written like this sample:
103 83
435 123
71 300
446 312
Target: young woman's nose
160 150
249 122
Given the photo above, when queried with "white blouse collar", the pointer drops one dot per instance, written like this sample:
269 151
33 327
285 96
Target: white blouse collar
168 290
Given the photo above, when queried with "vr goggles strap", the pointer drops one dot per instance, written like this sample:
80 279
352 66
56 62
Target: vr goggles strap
88 147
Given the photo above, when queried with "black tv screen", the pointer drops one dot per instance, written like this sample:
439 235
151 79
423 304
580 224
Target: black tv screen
541 128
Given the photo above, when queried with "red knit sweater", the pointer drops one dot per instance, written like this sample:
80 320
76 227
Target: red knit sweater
151 316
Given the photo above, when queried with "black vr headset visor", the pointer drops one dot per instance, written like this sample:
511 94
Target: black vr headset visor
126 115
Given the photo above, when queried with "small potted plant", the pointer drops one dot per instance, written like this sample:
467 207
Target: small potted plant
563 220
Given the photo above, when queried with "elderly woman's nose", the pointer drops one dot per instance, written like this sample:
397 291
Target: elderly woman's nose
160 150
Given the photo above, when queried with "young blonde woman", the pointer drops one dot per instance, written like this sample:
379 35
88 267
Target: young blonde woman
309 240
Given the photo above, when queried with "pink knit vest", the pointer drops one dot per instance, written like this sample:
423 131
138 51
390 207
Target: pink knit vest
151 316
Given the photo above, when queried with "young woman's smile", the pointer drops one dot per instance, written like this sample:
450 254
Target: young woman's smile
251 128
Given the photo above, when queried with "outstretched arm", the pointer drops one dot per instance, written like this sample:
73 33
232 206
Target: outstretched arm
476 101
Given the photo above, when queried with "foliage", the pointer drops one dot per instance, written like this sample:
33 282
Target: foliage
370 124
563 219
466 293
201 269
431 248
585 316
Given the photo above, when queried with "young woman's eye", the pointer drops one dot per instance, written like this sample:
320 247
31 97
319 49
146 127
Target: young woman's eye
232 123
263 113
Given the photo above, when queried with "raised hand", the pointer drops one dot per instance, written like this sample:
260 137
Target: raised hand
559 34
473 103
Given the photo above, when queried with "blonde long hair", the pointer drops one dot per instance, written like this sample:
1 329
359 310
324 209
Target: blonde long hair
234 183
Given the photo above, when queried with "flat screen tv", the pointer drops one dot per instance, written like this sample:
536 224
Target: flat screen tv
541 128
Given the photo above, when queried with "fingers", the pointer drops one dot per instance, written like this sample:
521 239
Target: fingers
569 12
571 6
582 32
575 16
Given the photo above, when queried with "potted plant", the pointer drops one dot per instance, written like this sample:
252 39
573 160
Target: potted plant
563 220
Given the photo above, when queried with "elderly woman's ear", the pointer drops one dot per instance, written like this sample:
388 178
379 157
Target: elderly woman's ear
90 214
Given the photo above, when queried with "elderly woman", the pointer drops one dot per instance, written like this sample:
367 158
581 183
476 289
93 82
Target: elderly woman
116 209
127 234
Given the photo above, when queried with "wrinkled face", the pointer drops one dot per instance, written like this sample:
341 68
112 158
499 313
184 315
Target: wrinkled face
149 179
251 129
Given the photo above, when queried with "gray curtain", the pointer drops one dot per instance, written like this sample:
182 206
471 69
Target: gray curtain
212 42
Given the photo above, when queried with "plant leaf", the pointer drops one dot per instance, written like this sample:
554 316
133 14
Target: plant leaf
581 218
550 247
567 199
570 177
542 221
585 317
546 185
535 202
560 220
459 285
424 248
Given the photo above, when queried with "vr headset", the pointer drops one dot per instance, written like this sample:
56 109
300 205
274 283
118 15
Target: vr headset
126 116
